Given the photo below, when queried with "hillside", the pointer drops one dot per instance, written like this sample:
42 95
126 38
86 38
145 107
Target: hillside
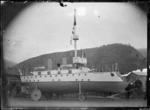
143 51
8 64
127 57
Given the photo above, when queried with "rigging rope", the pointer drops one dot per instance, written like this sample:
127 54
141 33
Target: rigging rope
88 32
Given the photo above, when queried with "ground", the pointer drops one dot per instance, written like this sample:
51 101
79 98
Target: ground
74 102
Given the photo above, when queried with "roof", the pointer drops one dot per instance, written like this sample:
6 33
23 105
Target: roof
137 72
140 73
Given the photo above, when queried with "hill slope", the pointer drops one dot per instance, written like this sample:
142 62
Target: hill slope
143 51
8 64
127 57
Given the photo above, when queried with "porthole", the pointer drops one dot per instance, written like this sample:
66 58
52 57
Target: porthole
79 74
88 79
45 75
112 74
76 79
69 71
48 73
39 73
82 79
85 74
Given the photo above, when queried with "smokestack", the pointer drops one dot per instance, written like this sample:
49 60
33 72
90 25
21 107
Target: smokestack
64 61
49 64
99 68
112 68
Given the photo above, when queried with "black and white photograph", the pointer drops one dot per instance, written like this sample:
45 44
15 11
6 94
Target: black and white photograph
74 54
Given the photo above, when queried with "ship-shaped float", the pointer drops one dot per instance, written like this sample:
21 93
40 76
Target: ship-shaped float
75 78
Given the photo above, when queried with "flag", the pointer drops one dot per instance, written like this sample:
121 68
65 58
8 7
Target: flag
75 23
74 18
73 30
74 26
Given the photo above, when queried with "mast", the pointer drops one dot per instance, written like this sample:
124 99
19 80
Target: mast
77 60
75 37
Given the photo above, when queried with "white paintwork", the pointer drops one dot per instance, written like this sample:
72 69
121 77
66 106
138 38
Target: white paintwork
79 60
67 65
64 71
75 37
85 69
42 67
125 74
144 70
137 72
141 73
105 76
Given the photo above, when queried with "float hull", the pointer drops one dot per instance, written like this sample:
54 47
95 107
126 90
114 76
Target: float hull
73 86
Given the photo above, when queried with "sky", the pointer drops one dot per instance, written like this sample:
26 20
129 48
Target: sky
43 28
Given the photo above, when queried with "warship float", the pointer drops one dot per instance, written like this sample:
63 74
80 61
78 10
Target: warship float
74 78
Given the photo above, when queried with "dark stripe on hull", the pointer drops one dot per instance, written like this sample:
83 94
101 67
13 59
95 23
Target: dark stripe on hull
73 87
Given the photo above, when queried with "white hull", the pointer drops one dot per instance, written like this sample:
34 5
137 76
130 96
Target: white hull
90 82
90 76
73 86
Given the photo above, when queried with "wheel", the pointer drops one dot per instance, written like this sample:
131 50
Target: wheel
82 97
138 83
36 94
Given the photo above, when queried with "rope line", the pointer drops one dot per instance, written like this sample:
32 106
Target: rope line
88 32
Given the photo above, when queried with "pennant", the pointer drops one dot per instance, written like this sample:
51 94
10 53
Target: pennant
74 18
73 30
75 23
74 26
